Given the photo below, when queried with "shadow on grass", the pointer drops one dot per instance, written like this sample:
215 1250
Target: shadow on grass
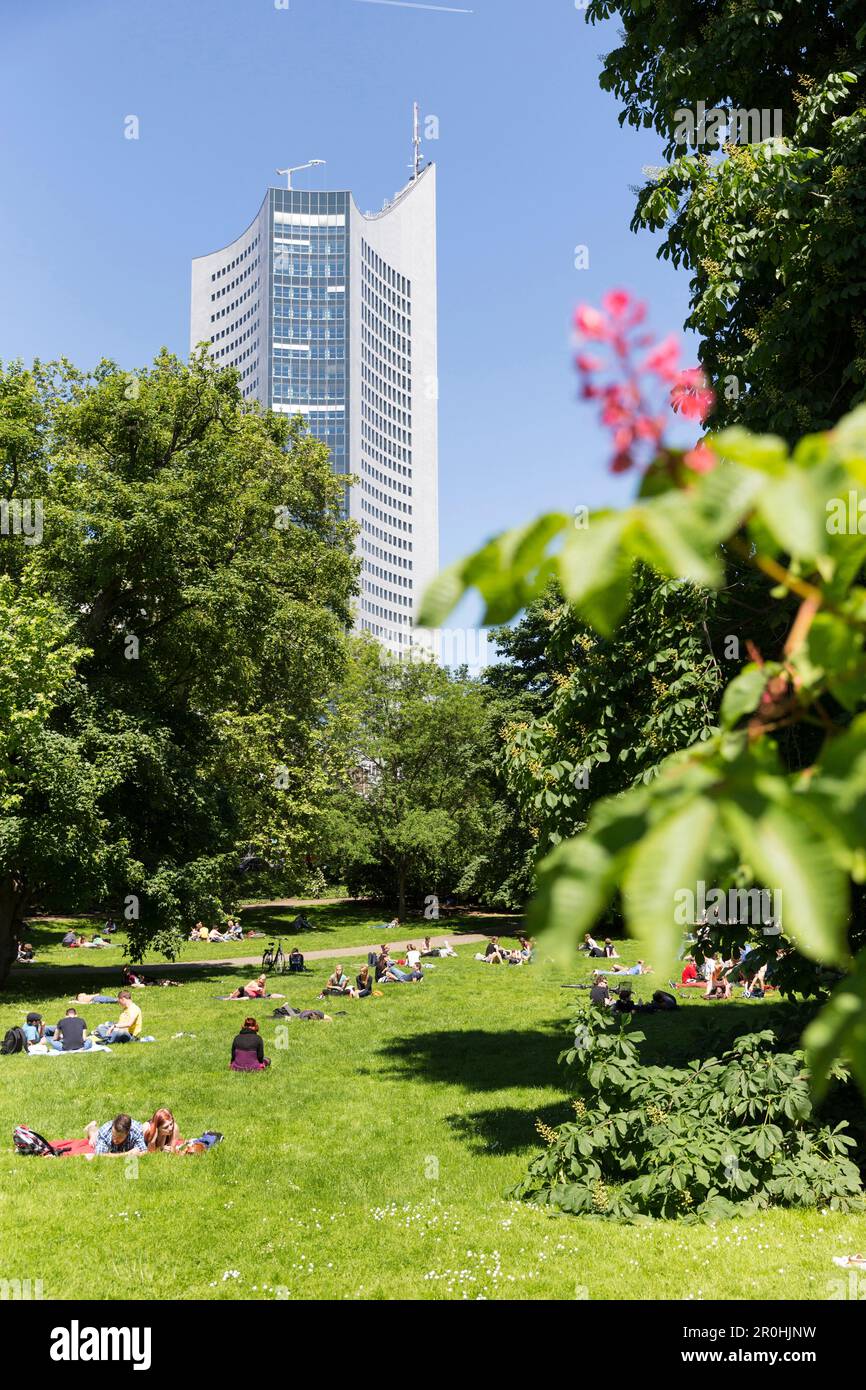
479 1061
507 1131
476 1060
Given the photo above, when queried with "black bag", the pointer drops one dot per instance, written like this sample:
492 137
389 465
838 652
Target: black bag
14 1041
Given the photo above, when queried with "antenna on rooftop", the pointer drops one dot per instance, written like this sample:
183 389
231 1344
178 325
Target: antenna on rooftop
297 169
417 157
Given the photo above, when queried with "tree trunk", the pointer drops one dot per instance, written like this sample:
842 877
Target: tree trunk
401 893
11 908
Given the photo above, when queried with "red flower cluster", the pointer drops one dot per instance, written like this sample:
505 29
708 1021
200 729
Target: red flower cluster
646 381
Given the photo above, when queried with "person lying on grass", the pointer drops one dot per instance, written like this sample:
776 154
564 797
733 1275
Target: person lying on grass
248 1050
128 1026
640 968
94 999
391 974
122 1135
161 1133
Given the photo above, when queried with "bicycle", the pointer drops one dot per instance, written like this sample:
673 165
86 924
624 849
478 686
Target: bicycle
274 959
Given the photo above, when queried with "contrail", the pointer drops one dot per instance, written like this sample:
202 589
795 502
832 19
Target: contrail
411 5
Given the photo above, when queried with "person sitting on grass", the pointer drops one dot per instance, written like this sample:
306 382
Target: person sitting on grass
121 1135
71 939
624 1003
70 1034
689 978
34 1030
256 989
338 983
600 994
413 956
590 945
718 983
25 953
161 1133
128 1026
296 962
248 1050
609 949
492 954
110 927
363 984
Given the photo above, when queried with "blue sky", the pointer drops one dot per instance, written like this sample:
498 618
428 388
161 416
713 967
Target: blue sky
97 231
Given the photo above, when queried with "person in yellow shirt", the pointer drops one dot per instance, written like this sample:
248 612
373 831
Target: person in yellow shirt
128 1026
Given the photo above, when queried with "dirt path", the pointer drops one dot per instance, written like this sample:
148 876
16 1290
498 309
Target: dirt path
245 962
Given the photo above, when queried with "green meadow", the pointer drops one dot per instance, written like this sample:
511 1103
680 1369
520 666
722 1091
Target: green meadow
371 1161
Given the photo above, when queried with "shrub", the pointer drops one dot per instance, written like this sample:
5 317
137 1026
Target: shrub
712 1139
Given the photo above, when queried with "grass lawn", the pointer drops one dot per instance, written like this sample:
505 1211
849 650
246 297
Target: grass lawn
369 1162
335 925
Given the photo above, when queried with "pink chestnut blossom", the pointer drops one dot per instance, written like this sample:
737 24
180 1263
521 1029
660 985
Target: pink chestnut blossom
637 394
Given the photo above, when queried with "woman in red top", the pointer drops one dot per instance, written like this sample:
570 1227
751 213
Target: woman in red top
689 976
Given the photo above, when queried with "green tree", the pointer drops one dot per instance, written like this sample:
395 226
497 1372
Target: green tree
730 808
410 791
200 578
773 233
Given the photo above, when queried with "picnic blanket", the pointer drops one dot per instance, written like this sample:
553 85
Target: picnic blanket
43 1050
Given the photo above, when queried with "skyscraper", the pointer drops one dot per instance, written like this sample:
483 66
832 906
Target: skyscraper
331 313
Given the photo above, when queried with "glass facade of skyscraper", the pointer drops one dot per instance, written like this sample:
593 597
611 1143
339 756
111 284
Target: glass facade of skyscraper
309 317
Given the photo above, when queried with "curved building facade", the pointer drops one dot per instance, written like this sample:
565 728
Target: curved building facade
331 313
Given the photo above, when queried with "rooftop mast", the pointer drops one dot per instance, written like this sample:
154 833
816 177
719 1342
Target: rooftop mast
417 157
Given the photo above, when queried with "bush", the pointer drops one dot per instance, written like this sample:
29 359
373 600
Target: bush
716 1138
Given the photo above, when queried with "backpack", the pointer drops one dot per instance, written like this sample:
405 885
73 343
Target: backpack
14 1041
27 1141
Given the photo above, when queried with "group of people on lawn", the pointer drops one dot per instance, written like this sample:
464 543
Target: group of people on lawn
383 969
71 1034
497 954
717 975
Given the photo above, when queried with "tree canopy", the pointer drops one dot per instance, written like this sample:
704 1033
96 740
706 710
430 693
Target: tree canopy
772 231
195 576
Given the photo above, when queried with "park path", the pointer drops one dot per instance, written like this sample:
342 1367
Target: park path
236 962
